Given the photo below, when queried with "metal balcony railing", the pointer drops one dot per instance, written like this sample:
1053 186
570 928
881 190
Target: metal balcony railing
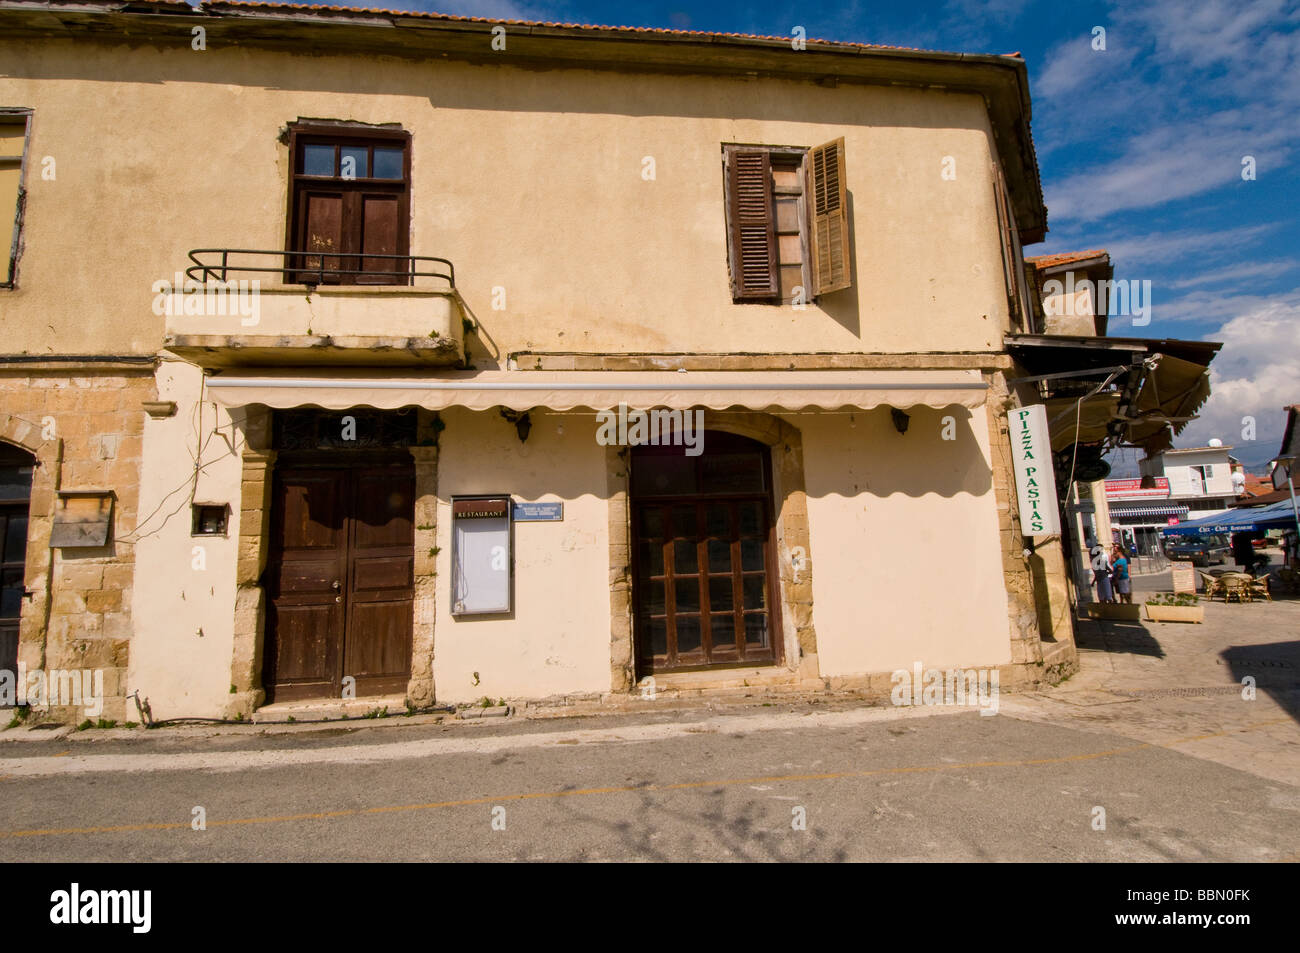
315 268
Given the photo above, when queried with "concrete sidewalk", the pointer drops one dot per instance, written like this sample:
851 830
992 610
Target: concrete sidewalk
1168 684
1157 682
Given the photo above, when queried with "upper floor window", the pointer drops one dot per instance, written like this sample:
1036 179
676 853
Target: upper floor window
14 128
787 222
349 204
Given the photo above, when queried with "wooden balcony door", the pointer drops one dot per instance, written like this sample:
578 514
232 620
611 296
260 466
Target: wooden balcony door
705 588
340 580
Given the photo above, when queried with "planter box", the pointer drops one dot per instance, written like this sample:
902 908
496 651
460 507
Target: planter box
1175 613
1115 610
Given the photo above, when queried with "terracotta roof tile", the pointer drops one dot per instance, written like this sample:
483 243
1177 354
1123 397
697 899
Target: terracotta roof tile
362 11
1064 258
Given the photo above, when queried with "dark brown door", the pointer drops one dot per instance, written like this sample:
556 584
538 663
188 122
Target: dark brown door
340 581
13 537
704 582
15 492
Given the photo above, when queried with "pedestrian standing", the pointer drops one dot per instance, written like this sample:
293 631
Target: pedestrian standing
1101 572
1120 576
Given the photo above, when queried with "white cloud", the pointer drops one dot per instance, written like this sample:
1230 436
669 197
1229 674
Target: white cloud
1256 374
1199 87
1170 163
1248 269
1172 247
1074 62
1212 306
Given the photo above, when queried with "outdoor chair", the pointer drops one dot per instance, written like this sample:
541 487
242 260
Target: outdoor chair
1259 587
1236 587
1213 586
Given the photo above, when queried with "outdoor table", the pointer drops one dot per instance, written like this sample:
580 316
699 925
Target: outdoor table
1238 584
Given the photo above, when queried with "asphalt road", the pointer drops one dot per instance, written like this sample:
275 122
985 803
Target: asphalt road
872 785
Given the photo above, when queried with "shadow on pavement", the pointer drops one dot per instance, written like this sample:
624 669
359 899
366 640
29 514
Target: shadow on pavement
1275 668
1109 635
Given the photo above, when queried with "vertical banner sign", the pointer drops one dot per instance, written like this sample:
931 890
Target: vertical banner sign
1031 452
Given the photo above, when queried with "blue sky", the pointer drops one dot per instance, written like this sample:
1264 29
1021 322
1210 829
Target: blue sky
1141 148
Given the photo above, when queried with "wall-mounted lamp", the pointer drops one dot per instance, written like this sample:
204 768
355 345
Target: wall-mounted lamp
521 421
901 419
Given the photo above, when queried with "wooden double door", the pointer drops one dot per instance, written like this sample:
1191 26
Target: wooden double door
340 580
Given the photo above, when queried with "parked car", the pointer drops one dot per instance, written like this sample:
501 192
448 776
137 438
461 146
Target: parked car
1202 550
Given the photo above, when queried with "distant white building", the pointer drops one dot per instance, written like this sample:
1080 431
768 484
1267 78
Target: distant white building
1176 485
1201 477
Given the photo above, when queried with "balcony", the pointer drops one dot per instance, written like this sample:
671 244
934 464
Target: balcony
236 307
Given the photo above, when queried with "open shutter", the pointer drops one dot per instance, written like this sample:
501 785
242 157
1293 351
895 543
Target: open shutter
829 205
753 235
321 213
1012 259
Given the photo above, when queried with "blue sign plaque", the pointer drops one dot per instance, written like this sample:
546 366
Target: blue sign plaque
537 512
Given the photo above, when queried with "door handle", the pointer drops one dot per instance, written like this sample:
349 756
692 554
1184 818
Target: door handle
335 584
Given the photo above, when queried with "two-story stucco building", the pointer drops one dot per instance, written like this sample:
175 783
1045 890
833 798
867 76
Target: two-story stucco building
384 436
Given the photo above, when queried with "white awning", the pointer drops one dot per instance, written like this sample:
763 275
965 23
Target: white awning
564 390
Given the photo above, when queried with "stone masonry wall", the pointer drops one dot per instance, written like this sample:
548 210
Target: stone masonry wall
84 424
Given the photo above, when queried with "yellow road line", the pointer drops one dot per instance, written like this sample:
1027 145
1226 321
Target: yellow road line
628 789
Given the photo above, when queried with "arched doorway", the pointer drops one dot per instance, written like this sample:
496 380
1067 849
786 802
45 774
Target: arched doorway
704 583
16 468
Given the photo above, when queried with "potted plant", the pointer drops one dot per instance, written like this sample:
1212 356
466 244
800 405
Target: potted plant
1120 611
1175 607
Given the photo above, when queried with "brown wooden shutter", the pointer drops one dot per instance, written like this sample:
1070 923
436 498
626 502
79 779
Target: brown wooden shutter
380 225
1012 264
828 203
321 215
753 235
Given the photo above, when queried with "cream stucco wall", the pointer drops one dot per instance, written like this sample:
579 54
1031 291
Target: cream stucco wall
907 564
904 547
531 182
184 614
556 641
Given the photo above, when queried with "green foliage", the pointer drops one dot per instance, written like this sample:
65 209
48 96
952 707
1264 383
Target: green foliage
102 723
1174 599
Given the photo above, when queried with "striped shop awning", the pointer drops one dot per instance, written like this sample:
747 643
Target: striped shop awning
1168 509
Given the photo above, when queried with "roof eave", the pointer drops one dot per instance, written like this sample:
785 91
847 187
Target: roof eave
1002 81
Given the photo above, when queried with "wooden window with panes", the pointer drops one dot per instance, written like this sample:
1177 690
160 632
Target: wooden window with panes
14 131
787 222
350 196
705 587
